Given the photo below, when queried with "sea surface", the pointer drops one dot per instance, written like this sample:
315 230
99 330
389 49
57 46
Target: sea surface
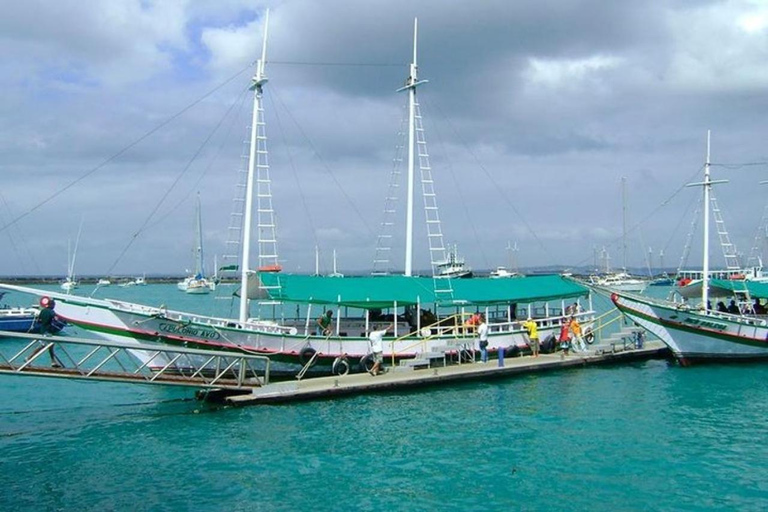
642 436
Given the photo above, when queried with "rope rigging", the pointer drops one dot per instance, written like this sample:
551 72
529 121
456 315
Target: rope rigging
146 224
124 150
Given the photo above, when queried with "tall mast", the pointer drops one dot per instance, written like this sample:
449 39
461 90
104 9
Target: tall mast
199 241
257 85
410 83
707 184
705 262
624 222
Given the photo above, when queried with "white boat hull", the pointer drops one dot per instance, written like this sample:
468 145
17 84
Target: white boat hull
695 335
286 346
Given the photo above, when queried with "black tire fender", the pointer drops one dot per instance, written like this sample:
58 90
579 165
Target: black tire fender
366 363
340 366
306 355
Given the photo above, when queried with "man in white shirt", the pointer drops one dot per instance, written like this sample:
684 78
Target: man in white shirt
376 339
482 337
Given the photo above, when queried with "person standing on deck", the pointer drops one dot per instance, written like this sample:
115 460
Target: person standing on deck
575 328
482 339
533 336
324 324
376 339
565 337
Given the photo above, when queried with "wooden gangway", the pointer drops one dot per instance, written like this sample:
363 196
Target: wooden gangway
130 362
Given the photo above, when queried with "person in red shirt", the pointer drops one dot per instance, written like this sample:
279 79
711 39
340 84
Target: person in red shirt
565 337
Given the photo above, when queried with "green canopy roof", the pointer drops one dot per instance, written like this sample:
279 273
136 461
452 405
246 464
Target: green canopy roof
377 292
756 289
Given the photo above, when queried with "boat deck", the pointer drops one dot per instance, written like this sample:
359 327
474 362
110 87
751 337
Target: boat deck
402 378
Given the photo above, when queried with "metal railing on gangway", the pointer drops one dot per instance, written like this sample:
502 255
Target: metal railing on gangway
129 361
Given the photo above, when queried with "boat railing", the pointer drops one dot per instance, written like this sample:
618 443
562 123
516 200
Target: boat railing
251 324
602 322
457 328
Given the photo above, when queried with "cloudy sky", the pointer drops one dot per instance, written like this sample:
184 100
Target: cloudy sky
115 114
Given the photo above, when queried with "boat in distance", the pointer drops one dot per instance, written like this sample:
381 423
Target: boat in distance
23 319
619 281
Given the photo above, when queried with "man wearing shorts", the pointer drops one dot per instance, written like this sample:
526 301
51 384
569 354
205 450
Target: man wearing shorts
376 339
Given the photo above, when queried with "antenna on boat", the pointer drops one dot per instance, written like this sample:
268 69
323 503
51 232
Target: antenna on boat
707 184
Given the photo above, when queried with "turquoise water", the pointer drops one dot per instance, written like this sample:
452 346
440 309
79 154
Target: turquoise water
646 436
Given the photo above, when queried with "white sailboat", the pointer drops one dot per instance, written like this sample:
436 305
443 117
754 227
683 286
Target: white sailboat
502 272
197 283
621 280
291 342
70 282
693 332
335 272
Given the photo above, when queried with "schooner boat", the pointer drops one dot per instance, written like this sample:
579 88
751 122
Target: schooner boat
427 311
695 332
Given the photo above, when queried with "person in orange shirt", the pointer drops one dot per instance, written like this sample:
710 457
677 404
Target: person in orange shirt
575 329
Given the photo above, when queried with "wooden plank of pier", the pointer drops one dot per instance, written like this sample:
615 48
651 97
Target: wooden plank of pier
396 378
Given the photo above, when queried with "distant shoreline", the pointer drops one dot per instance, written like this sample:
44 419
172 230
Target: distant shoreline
90 280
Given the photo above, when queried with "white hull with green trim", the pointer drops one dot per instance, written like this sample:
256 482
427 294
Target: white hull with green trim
291 345
696 335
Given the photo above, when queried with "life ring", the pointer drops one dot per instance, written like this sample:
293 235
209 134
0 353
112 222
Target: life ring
340 366
306 355
589 336
366 363
425 332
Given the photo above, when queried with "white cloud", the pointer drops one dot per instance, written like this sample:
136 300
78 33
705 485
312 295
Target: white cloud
232 46
721 46
567 72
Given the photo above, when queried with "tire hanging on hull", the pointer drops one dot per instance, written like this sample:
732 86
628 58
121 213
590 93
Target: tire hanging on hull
340 366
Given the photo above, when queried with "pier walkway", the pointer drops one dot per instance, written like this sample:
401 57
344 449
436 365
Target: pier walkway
401 378
243 379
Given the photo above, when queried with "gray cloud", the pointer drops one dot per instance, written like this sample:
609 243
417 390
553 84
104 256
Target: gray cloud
534 112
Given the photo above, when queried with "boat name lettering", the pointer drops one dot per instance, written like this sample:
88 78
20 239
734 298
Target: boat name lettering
190 330
705 323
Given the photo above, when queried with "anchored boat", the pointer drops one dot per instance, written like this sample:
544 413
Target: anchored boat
23 319
428 313
197 283
696 331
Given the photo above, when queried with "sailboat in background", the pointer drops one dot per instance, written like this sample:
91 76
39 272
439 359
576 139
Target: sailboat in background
619 280
695 332
335 272
502 272
70 283
197 283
